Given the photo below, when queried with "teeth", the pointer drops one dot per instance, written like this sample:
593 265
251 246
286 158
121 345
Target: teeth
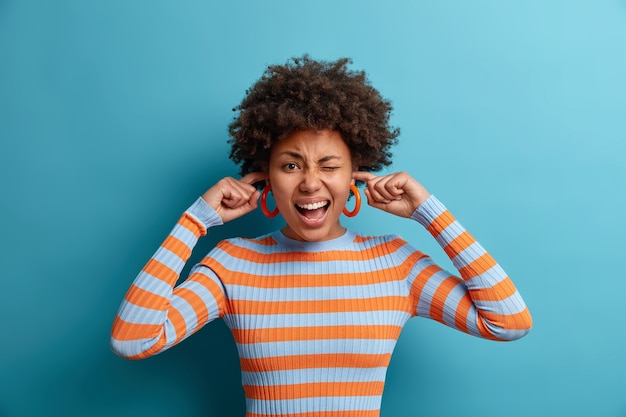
313 206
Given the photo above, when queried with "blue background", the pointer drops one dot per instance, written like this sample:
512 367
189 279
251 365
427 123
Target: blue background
113 120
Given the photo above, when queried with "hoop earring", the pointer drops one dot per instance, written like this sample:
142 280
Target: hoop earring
357 205
264 209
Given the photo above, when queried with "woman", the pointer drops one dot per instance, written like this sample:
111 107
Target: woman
315 309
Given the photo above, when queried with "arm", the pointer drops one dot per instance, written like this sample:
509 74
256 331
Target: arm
155 313
483 301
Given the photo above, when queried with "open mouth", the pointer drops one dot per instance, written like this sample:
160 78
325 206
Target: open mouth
313 211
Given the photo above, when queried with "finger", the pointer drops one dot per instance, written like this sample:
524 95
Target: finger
378 191
374 201
246 183
395 187
229 214
233 190
253 177
242 202
363 176
391 187
239 194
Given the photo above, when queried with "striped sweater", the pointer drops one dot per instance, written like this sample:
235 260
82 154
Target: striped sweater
315 323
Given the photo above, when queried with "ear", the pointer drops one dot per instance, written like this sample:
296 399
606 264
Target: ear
355 169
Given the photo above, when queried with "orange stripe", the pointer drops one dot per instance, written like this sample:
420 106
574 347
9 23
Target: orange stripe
484 331
161 271
410 262
125 330
502 290
196 303
178 321
266 241
313 389
321 306
523 320
478 266
357 413
517 321
177 246
334 255
156 348
361 239
282 334
142 298
461 313
191 224
215 290
324 360
419 283
439 298
459 244
442 221
310 280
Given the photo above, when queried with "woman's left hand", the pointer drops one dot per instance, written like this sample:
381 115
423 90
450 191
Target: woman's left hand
396 193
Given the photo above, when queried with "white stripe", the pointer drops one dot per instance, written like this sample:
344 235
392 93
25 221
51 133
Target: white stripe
205 295
387 289
169 259
429 289
135 314
128 348
152 284
188 313
268 321
316 347
184 235
304 376
312 404
487 279
510 305
451 232
451 304
468 255
292 267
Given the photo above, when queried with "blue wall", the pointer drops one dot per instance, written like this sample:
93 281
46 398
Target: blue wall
113 119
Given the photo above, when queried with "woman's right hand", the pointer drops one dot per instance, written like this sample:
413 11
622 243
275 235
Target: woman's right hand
232 198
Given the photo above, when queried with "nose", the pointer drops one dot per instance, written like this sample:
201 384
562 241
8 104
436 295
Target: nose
310 181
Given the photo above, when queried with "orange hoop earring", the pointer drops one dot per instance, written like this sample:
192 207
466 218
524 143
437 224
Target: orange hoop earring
357 205
264 209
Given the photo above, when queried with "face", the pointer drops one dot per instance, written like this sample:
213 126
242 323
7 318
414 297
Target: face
310 173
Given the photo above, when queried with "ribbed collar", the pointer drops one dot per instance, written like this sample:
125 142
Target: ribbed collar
338 243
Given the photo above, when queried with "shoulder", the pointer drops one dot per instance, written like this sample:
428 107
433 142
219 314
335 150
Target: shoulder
238 252
361 239
389 250
390 243
261 244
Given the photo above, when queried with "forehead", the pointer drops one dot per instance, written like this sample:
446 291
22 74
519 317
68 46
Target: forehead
312 144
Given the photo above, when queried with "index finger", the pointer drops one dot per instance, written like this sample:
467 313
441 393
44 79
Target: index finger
253 177
363 176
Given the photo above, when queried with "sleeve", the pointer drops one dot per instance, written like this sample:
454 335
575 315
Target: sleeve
155 313
483 301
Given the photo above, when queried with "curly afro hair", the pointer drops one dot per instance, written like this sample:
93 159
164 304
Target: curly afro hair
305 94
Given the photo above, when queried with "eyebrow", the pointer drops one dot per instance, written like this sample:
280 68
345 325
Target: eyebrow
319 161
